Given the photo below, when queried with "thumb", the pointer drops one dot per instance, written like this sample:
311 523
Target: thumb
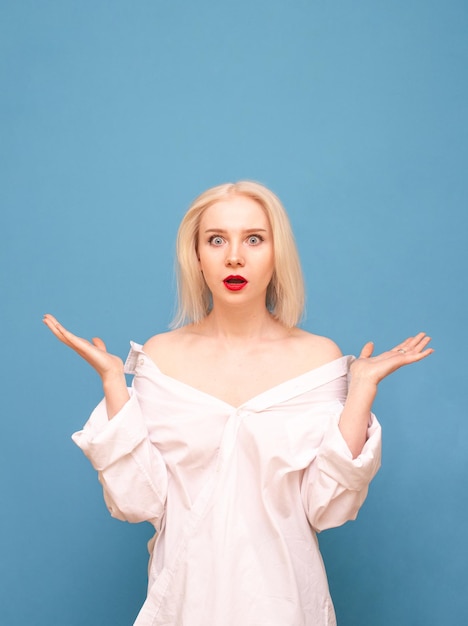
367 350
99 344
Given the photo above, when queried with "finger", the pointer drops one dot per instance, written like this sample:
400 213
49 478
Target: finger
412 343
49 320
99 344
422 343
65 336
367 350
418 343
54 326
421 355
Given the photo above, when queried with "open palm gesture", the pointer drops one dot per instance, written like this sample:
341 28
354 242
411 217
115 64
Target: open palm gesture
93 352
376 368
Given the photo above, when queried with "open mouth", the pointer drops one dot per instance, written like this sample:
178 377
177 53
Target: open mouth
235 283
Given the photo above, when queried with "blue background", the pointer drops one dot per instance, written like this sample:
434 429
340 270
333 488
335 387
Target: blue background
114 116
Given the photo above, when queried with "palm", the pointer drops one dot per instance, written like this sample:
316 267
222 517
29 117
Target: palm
376 368
94 353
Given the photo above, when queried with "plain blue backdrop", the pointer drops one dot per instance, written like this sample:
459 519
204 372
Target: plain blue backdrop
114 116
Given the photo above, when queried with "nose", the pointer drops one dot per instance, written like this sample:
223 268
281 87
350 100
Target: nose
234 257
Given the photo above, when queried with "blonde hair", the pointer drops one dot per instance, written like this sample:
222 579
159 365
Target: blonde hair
285 293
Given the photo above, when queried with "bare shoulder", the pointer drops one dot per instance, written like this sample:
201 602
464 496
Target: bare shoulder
319 349
164 347
160 340
165 341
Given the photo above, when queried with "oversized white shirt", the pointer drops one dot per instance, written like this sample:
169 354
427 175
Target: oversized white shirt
235 493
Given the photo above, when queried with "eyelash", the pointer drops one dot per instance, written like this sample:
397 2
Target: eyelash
259 237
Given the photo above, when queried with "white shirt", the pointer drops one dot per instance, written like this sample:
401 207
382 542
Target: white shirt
235 493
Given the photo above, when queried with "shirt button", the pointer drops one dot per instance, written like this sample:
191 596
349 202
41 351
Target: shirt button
141 361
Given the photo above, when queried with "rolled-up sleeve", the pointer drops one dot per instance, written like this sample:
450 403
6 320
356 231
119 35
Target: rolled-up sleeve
130 468
335 485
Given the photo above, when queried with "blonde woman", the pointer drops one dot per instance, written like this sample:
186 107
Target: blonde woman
242 435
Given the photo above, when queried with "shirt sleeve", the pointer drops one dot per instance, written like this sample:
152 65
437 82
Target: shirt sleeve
130 468
335 485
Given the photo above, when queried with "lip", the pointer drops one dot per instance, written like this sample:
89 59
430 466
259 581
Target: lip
235 282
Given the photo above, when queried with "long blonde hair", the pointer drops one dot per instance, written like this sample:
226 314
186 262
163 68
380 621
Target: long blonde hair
285 293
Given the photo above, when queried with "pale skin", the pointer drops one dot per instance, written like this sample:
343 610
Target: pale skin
239 350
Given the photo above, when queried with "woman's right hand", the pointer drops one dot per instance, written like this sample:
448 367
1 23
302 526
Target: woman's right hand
95 353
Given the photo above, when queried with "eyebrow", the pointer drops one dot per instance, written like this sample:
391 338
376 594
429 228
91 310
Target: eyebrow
247 230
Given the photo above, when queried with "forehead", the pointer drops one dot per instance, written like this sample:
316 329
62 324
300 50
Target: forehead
240 212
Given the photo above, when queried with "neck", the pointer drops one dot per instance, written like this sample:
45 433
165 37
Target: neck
233 323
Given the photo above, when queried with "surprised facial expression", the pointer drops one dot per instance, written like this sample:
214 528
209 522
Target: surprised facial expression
235 249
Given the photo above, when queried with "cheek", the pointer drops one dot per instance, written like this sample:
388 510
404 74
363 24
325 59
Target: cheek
206 260
270 261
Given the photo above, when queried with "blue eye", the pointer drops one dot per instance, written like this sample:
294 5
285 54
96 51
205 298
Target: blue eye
216 240
254 240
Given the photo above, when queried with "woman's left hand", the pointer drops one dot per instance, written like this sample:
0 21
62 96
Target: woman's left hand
373 369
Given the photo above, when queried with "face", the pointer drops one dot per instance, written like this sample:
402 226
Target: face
235 250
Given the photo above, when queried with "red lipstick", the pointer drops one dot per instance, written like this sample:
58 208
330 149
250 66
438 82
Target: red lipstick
235 283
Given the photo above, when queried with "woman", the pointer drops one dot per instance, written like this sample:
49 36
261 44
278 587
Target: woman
243 435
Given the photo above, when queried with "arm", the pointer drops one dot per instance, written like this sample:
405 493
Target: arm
365 375
335 485
115 438
130 468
